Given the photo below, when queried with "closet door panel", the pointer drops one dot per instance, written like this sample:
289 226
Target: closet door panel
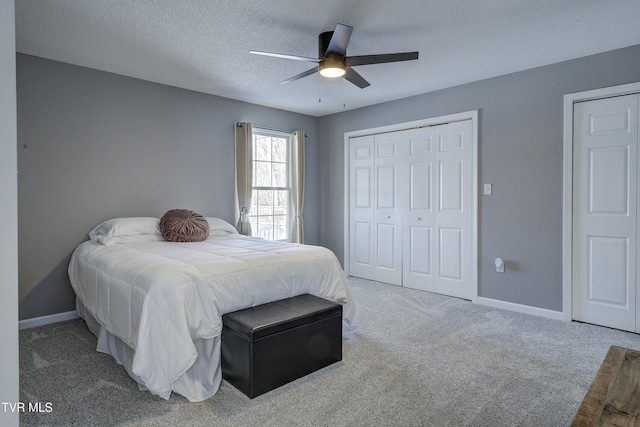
362 244
451 189
420 243
362 183
386 247
389 155
361 208
419 216
451 253
386 189
453 219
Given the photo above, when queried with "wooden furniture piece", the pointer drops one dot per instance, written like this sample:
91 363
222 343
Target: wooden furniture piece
614 396
267 346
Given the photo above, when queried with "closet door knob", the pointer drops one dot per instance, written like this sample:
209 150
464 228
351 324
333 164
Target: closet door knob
388 216
419 219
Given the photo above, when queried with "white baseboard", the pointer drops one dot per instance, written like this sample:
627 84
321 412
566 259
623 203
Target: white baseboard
489 302
520 308
46 320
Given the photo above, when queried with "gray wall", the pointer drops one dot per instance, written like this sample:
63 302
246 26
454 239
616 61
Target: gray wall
9 368
520 153
94 145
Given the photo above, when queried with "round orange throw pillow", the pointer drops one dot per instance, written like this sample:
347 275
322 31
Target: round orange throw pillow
183 225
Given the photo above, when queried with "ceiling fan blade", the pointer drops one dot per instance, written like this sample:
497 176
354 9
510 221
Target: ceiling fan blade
284 56
356 78
380 59
340 40
301 75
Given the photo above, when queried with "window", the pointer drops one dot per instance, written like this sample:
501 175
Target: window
270 214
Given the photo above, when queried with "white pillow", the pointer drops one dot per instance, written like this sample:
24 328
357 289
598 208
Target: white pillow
126 230
220 227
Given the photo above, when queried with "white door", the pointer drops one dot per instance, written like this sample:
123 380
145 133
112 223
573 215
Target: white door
454 208
438 213
419 242
375 224
361 208
389 158
605 184
411 208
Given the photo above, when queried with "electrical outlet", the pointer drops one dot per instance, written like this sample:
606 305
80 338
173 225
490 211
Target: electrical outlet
487 189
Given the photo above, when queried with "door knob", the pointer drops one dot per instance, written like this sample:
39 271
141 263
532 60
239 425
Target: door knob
419 219
388 216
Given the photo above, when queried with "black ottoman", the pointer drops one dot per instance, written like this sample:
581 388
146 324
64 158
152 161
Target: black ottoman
272 344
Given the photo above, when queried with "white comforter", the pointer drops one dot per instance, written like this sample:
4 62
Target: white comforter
158 297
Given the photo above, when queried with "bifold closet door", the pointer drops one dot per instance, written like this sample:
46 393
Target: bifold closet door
411 213
375 221
390 158
454 208
605 212
438 216
419 232
361 208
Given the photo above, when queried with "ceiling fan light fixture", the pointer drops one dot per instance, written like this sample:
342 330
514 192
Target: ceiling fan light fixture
333 61
332 69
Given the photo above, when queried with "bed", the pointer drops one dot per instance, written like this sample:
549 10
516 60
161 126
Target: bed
156 306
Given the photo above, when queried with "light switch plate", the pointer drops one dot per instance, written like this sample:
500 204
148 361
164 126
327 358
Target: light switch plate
487 189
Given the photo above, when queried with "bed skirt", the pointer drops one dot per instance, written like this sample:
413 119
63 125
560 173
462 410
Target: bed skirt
199 382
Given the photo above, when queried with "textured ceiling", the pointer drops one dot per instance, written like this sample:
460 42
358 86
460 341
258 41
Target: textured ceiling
203 45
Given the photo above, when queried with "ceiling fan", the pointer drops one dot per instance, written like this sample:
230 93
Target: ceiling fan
333 60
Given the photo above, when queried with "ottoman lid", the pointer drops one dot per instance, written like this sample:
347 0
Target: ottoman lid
273 317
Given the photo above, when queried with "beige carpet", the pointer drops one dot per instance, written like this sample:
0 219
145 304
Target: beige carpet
413 359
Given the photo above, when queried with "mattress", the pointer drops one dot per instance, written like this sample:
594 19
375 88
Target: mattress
157 306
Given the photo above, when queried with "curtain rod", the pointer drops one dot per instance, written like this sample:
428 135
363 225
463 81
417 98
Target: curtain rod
239 124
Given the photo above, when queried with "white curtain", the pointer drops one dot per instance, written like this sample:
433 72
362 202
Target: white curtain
297 186
244 175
